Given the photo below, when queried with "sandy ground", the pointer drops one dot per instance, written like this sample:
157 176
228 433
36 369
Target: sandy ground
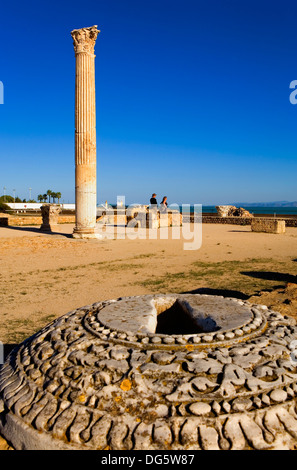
43 276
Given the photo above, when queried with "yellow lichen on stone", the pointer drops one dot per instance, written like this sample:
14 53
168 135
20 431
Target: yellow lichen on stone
126 385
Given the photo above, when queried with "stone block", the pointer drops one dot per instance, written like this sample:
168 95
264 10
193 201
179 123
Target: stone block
3 221
153 219
50 214
260 224
176 218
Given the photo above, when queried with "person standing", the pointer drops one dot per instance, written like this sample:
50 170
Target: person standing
164 204
153 200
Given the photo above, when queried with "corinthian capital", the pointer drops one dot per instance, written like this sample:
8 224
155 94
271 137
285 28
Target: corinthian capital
84 39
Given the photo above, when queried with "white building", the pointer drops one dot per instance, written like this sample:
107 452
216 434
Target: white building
23 206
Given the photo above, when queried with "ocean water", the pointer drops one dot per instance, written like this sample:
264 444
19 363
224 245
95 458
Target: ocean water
257 210
280 211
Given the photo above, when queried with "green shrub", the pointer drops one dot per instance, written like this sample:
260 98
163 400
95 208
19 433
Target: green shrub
4 207
6 198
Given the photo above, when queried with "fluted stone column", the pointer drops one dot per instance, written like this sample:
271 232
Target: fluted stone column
85 133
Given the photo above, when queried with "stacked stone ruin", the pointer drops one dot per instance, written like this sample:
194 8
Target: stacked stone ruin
232 211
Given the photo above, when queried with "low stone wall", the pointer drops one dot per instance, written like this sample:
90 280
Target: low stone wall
33 220
225 220
25 220
70 219
113 219
66 219
209 219
268 225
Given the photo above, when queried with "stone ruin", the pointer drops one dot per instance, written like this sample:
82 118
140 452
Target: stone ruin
148 217
141 216
155 372
268 225
232 211
50 215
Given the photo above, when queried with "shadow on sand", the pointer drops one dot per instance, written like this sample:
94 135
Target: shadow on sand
271 276
241 231
37 230
220 292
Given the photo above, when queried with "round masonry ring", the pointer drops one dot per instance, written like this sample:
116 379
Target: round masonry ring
154 372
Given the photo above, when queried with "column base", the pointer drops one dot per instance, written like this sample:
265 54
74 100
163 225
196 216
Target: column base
86 234
47 228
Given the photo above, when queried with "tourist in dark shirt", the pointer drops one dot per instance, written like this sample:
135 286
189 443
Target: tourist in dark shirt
153 200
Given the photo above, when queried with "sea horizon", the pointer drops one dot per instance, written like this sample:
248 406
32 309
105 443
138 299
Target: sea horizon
258 209
253 209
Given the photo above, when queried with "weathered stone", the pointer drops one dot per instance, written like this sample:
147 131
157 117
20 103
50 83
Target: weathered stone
232 211
85 133
240 212
263 224
50 214
224 211
123 385
278 395
200 409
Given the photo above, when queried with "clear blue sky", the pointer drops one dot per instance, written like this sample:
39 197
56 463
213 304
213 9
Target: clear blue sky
192 99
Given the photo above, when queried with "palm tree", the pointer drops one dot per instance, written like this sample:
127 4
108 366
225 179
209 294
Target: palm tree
58 196
44 197
49 194
40 197
54 195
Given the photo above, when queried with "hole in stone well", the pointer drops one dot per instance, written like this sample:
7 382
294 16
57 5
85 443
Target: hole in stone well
175 319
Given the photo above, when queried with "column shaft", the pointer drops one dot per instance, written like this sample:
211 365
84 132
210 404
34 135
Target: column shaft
85 133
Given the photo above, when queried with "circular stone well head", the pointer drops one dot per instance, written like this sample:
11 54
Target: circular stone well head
155 372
